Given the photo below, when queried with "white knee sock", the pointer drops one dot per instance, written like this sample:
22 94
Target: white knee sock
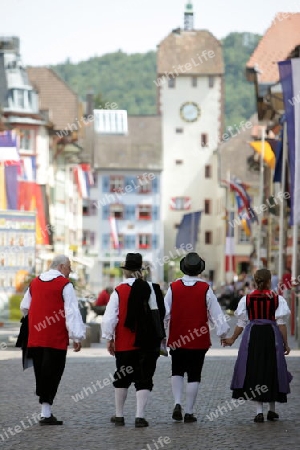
259 407
46 410
191 395
177 388
120 397
272 406
142 398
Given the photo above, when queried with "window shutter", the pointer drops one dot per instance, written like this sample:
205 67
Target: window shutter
105 183
155 212
105 241
155 241
155 184
105 212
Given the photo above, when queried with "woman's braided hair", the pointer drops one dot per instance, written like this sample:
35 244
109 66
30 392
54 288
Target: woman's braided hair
262 278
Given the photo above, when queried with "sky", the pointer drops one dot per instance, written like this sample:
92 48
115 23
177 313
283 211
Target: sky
51 31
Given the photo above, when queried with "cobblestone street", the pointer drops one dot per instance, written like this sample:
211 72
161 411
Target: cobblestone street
87 420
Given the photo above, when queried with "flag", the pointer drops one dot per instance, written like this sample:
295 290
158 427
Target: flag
188 230
265 148
114 232
289 72
80 181
8 146
278 157
245 211
11 184
229 244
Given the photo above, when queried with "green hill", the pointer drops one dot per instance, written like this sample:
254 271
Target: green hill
127 79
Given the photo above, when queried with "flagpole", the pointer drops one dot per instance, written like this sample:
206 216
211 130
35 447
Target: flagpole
261 198
282 204
228 209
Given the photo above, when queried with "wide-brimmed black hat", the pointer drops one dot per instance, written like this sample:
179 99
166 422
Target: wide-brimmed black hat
134 261
192 264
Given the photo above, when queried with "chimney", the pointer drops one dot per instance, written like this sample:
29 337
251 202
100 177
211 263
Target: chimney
89 103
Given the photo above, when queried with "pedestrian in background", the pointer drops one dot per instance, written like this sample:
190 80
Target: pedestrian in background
133 327
262 315
190 305
53 319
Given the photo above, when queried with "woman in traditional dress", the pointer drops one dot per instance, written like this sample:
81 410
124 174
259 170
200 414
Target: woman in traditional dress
260 372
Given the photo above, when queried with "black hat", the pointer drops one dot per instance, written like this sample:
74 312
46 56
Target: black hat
192 264
134 261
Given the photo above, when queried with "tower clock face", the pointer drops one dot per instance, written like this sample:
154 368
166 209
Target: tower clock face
190 111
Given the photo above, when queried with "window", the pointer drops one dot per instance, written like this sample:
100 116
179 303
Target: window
180 203
194 81
145 185
116 182
88 238
89 207
207 171
204 140
117 211
207 206
144 212
26 140
144 241
119 243
178 162
242 236
171 83
208 237
108 121
179 130
211 81
19 98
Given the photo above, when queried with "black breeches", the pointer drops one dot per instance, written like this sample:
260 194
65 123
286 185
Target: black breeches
49 365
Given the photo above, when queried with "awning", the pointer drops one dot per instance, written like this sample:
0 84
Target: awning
267 151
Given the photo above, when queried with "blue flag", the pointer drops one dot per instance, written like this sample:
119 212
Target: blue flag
188 230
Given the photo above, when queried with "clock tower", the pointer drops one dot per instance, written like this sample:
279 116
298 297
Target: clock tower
190 100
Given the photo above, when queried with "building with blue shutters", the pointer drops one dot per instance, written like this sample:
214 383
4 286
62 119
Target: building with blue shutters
123 213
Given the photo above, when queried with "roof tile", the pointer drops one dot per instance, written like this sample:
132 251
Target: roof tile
276 45
54 95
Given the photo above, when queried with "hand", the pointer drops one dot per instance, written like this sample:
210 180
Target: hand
286 349
76 346
227 342
111 347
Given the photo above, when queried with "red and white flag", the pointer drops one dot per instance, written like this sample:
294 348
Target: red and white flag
114 232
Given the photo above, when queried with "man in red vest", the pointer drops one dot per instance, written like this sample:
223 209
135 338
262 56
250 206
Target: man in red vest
133 327
53 319
190 304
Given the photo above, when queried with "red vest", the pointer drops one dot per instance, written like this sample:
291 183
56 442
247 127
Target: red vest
262 305
188 323
46 317
124 338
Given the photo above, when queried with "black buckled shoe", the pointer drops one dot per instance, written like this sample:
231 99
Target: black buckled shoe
259 418
189 418
140 422
118 421
50 421
272 415
177 412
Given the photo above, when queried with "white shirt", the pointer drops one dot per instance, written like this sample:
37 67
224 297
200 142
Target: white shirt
215 314
111 315
74 323
281 313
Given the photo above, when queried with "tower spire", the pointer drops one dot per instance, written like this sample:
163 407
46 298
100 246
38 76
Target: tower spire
188 17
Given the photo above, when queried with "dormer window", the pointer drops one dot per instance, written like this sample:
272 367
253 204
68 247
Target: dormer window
20 98
23 99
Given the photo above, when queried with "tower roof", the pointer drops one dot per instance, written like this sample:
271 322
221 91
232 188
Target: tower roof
198 48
